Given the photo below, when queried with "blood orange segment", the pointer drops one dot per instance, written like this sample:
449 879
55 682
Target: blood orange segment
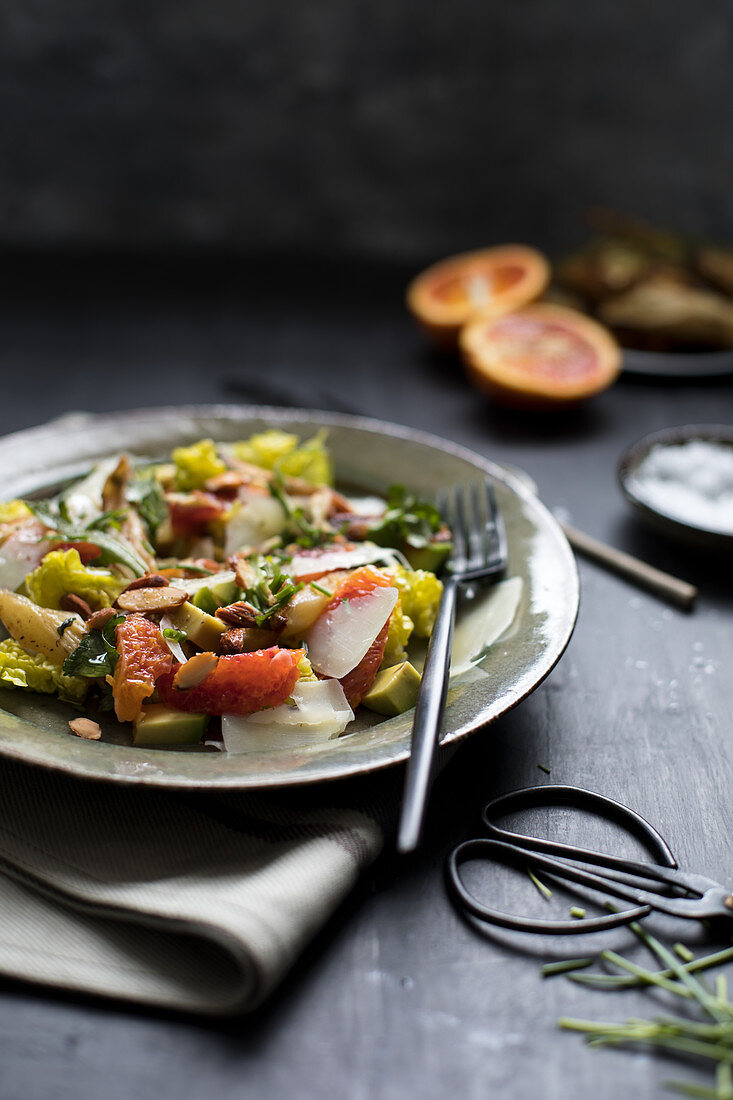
144 656
542 355
360 583
191 513
487 283
240 684
357 682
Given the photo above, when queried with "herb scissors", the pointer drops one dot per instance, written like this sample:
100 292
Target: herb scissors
659 886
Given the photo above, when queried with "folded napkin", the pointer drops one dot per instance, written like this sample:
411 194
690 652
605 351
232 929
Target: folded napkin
192 901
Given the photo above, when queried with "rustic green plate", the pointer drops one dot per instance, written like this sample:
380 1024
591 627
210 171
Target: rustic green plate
369 455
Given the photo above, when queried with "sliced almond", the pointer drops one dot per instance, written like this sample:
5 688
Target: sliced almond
150 580
99 619
86 728
152 599
244 573
196 669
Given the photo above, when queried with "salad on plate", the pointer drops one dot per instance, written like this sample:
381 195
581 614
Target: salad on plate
230 595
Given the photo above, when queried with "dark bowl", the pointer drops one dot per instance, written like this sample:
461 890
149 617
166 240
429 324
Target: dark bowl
666 524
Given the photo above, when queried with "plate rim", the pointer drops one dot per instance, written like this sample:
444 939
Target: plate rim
239 412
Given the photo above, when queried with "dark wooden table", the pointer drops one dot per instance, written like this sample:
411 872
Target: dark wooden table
399 997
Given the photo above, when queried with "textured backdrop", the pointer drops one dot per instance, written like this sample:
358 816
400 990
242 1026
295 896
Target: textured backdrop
401 128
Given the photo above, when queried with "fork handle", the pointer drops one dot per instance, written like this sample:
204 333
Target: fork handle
426 725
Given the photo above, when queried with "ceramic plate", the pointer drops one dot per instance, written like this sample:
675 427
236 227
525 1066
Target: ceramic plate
369 455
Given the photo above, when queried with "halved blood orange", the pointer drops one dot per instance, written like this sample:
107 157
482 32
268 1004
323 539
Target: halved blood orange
540 356
487 283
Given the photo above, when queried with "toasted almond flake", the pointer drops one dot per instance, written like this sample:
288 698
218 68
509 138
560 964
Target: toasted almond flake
150 580
196 669
244 574
152 599
86 728
99 619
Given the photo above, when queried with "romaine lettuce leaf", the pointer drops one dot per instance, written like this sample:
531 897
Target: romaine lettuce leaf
12 510
420 593
400 628
21 669
196 464
62 571
282 451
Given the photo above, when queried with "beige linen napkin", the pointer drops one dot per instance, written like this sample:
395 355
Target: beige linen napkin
191 901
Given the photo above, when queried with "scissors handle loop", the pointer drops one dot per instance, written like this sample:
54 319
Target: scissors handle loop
511 847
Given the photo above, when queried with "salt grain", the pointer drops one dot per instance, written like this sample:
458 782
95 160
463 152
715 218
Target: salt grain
691 482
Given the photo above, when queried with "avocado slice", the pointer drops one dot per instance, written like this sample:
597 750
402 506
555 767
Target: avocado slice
394 690
217 594
160 725
201 628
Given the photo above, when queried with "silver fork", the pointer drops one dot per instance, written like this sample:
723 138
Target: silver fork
479 554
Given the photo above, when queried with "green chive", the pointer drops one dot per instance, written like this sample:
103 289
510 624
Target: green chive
577 911
684 952
544 768
319 588
564 966
544 890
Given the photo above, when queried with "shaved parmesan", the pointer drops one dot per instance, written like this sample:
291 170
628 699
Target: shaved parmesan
318 712
341 636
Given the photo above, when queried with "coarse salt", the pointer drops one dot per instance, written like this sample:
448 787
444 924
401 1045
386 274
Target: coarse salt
691 482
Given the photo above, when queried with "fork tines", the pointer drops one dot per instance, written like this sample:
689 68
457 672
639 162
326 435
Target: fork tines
479 538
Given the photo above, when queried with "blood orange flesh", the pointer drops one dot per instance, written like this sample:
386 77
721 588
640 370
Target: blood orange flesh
542 355
143 657
487 283
240 683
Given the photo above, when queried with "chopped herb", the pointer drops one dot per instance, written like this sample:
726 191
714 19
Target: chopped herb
544 768
544 890
307 534
319 588
709 1037
96 655
64 626
174 635
683 952
565 965
577 912
271 588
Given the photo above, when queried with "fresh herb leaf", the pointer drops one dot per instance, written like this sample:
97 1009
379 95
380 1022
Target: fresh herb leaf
111 549
319 588
408 520
146 493
113 518
106 699
96 655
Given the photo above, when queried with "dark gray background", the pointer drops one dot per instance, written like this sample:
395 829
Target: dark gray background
389 128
